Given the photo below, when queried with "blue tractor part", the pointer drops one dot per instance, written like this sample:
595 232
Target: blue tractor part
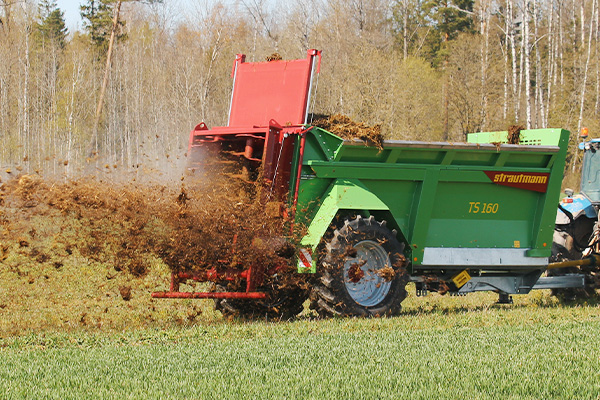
574 206
586 203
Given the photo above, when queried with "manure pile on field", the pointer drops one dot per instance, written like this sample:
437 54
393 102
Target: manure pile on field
210 224
346 128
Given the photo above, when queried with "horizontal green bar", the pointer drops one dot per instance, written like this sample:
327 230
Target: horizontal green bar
408 171
366 171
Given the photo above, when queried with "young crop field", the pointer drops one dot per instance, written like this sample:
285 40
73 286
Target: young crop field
78 264
442 347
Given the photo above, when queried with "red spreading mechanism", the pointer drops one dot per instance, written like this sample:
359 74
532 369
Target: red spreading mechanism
269 106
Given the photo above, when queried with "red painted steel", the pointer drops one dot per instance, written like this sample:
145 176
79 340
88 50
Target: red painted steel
253 277
266 95
212 275
271 90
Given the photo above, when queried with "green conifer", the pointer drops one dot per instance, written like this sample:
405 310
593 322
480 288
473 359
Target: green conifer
97 18
51 28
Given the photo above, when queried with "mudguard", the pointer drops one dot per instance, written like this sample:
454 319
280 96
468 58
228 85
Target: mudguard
577 205
343 194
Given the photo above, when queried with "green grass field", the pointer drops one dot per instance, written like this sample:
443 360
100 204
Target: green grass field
68 332
442 347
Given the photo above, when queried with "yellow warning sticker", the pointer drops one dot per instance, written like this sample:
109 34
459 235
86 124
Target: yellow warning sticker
461 278
517 244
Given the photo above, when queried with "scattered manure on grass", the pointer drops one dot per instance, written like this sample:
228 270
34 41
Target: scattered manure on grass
214 222
125 292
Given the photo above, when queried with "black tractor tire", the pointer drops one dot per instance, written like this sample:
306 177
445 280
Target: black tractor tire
282 305
361 271
574 237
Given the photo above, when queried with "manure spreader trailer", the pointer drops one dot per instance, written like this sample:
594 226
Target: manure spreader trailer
450 217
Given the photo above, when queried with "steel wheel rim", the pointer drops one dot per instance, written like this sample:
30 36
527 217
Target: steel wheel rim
372 288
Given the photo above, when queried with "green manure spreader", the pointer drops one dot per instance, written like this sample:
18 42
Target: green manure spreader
450 217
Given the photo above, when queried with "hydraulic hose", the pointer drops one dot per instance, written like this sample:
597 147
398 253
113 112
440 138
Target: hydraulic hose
593 259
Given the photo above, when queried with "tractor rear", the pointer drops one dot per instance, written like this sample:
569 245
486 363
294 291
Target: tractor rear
359 222
577 232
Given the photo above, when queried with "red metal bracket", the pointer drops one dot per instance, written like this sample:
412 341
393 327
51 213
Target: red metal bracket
300 160
316 53
239 58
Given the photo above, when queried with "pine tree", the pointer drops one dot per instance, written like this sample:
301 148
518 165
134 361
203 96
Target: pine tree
449 19
97 18
51 28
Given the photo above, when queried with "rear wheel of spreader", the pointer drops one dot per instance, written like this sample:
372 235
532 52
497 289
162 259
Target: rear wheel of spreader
281 305
362 271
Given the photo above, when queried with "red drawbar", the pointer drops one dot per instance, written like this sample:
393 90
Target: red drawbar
209 295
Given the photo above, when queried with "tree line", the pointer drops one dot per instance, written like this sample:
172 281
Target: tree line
424 69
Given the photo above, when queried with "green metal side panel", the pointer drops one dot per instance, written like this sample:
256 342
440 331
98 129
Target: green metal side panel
532 137
438 194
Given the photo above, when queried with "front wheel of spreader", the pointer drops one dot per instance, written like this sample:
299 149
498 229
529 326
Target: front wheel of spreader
362 271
